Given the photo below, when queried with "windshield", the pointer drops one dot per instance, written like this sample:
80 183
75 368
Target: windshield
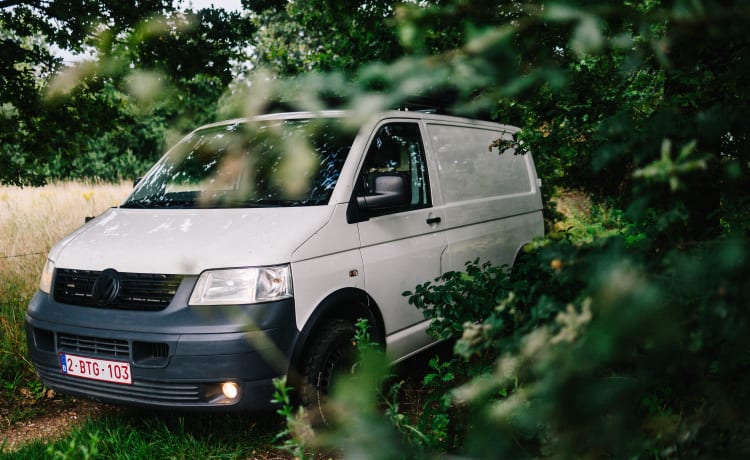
275 163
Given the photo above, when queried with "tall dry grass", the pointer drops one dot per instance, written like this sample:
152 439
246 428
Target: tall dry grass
32 219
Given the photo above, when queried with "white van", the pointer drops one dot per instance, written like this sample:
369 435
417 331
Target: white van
251 248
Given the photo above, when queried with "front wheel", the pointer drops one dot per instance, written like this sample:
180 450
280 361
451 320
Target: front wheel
332 353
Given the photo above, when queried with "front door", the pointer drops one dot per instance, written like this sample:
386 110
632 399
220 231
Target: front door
403 245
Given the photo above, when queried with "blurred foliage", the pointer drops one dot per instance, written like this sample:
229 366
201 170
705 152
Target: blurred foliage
150 70
622 338
644 358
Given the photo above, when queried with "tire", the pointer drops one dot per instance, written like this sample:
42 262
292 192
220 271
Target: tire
332 353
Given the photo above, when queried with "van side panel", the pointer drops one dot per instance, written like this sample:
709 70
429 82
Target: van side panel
490 195
496 240
328 261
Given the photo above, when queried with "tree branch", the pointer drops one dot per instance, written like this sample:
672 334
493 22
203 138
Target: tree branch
41 4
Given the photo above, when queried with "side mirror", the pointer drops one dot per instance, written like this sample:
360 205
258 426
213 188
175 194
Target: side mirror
390 190
136 181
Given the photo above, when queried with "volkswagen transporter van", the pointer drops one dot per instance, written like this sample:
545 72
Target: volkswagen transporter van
251 248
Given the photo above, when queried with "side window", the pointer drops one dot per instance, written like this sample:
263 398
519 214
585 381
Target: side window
395 156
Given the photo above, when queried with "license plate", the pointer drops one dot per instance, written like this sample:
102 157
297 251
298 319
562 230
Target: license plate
95 369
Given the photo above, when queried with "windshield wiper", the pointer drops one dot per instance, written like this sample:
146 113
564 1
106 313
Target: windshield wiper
159 204
285 203
135 204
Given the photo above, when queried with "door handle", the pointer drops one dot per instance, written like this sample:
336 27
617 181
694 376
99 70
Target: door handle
433 220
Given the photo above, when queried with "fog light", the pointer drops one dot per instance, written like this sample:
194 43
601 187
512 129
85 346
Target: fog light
230 390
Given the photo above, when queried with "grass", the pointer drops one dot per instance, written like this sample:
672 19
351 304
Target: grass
32 219
581 220
133 434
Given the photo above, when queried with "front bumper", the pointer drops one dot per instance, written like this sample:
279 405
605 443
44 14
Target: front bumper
179 358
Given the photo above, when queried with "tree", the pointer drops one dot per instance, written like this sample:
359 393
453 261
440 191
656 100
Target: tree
156 69
69 25
296 37
29 29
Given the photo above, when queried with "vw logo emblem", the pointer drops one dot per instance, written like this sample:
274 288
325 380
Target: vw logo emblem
106 287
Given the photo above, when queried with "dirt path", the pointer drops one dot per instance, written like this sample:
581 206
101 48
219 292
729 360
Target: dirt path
53 418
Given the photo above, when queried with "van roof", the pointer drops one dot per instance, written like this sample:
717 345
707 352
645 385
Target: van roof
417 115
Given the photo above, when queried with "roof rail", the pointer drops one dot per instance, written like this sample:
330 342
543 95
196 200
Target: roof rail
433 103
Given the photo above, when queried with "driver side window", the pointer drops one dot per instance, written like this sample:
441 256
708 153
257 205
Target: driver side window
396 152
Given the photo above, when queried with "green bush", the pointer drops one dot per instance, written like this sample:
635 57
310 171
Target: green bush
585 349
638 365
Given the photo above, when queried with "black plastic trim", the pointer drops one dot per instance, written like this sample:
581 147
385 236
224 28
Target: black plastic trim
194 349
337 305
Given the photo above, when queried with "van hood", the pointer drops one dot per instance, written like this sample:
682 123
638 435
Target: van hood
185 242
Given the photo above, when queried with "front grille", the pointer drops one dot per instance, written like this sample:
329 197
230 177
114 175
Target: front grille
138 291
96 346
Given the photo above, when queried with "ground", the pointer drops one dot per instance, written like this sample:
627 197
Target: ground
52 416
55 418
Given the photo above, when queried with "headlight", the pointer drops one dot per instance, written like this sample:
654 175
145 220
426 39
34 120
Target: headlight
236 286
45 284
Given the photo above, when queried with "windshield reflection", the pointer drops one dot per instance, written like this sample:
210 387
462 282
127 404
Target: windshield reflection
277 163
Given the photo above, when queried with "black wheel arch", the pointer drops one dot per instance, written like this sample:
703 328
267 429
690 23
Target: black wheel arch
349 304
